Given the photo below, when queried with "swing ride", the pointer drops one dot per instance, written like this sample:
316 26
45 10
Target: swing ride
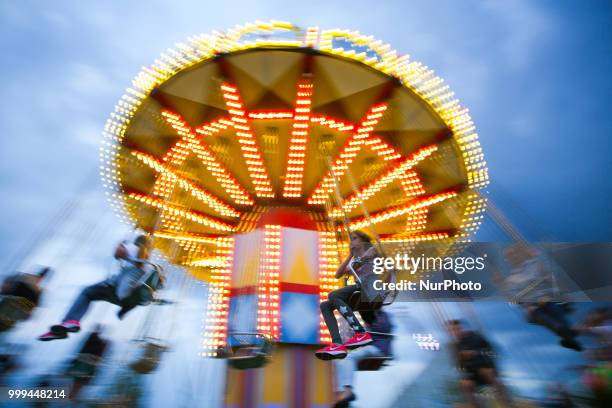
248 155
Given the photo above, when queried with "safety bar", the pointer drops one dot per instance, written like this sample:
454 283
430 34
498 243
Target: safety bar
381 333
232 333
353 272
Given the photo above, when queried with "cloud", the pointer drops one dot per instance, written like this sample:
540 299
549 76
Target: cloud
524 25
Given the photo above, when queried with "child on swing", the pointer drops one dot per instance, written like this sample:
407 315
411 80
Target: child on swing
116 289
362 253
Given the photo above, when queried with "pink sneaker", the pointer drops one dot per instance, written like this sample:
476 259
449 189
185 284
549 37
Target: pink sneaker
48 336
67 326
331 352
358 340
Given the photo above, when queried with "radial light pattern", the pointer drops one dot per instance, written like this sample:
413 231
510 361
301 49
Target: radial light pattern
266 115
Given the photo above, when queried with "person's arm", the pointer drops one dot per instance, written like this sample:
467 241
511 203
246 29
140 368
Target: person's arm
121 252
342 270
370 254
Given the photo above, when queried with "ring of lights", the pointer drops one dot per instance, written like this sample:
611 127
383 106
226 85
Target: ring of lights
227 126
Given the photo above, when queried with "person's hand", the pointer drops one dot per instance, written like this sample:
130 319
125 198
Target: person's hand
370 253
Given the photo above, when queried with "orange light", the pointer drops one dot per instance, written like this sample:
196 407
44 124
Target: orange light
397 172
190 142
357 140
401 210
180 212
268 310
299 137
246 139
164 185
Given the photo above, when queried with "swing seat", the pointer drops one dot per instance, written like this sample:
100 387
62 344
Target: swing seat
366 298
149 358
84 366
14 309
252 359
356 303
373 363
249 354
145 294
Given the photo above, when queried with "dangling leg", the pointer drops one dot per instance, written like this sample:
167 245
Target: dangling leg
339 299
71 322
327 310
552 316
336 349
99 291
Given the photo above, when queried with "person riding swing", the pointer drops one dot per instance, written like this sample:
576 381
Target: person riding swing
20 294
134 285
362 253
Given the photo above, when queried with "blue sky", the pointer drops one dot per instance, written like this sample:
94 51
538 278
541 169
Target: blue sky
535 76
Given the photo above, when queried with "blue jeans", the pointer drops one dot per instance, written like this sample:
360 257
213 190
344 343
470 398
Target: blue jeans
338 300
104 290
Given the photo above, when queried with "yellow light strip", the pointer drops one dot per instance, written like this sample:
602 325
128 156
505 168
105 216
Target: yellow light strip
294 173
180 212
246 139
328 264
416 221
401 210
332 123
210 261
223 242
402 238
214 127
268 297
384 180
411 184
270 115
357 140
215 328
190 142
164 187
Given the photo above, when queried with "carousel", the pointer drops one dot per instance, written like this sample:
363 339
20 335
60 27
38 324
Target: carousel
249 154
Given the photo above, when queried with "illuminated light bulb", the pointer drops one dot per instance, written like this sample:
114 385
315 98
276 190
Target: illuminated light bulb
296 157
349 152
197 192
189 142
397 172
269 311
246 139
401 210
192 216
